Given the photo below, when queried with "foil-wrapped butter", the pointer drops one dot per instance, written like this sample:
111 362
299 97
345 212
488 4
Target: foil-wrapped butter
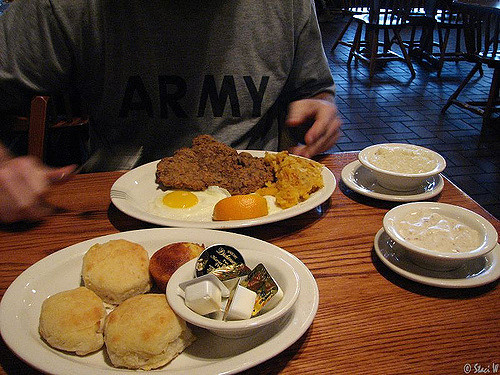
231 272
273 302
261 282
215 257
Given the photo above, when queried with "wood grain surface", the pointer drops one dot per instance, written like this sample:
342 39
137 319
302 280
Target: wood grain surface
370 320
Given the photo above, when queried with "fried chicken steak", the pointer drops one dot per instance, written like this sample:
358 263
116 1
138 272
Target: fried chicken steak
211 163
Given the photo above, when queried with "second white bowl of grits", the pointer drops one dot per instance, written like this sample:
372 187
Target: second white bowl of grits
401 166
440 236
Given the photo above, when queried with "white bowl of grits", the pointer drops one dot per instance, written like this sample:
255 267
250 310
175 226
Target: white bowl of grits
401 166
440 236
280 270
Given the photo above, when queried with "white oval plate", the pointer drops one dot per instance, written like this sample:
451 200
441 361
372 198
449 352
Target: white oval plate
210 354
137 188
473 273
359 178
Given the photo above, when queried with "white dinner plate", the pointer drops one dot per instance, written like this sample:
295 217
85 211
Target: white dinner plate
209 354
133 192
362 181
473 273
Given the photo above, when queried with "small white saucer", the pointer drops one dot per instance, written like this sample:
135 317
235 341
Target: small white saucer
362 181
473 273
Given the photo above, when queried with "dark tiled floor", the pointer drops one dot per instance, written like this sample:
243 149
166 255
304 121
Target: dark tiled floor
393 108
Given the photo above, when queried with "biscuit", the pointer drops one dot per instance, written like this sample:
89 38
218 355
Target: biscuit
144 333
73 320
116 270
165 261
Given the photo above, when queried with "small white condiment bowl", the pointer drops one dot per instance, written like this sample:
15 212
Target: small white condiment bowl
398 181
281 271
431 258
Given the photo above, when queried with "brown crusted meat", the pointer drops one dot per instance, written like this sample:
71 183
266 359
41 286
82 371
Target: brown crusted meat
211 163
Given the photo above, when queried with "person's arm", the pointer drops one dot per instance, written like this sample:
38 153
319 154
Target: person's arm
311 89
24 182
35 57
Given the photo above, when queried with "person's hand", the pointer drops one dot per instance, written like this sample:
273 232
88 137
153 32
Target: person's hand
324 131
24 183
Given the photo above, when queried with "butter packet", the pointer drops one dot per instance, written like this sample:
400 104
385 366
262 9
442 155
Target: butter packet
215 257
261 282
231 271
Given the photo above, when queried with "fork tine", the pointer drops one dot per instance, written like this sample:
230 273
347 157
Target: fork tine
118 194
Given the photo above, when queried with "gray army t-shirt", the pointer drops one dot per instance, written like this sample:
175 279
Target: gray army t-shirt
159 72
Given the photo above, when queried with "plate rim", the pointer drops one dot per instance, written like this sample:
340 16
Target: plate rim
315 200
12 302
492 274
346 176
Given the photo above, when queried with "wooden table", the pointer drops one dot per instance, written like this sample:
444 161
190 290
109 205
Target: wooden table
370 320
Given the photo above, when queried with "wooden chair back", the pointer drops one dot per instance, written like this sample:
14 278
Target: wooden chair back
488 50
40 122
417 8
389 12
385 15
356 6
483 37
482 29
447 16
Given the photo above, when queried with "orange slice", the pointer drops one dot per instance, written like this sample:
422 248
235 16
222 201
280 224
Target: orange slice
240 207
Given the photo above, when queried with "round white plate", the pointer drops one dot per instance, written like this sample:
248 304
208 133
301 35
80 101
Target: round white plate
361 180
472 274
209 354
133 192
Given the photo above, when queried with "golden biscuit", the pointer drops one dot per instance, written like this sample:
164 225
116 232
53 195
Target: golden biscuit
116 270
144 333
72 320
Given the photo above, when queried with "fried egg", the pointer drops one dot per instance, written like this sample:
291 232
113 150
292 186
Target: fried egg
188 205
196 205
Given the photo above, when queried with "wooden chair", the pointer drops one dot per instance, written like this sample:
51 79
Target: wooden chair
386 16
482 39
44 116
420 16
447 20
349 9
